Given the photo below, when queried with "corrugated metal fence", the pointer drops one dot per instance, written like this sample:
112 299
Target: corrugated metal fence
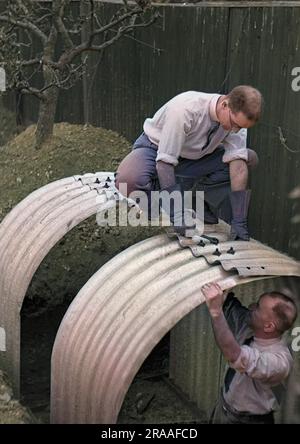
207 48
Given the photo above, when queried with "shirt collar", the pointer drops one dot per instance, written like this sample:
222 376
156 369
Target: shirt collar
267 342
212 107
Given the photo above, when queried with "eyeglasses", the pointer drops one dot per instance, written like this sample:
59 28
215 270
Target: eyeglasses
234 126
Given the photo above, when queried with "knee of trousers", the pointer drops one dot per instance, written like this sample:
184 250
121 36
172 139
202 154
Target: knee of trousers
128 183
253 159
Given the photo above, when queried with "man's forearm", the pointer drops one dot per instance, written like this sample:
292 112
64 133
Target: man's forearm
238 170
166 174
224 338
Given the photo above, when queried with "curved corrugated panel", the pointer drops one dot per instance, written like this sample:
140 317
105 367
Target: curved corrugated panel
196 366
123 311
249 259
28 233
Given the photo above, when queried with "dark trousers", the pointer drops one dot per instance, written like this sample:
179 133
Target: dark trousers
224 414
138 169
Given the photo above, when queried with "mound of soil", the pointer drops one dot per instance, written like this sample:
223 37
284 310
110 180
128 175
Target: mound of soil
74 149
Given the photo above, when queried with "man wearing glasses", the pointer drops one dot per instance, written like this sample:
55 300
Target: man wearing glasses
194 137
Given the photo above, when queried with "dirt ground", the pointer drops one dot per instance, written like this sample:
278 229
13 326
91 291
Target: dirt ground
11 411
150 399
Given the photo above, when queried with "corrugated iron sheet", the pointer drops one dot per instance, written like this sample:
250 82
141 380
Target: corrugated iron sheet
27 234
123 312
196 364
243 257
264 55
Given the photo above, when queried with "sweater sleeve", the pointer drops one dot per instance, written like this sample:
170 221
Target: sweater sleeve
268 367
177 125
235 145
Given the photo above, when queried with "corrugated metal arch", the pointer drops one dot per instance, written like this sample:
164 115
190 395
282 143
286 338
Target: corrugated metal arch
125 309
28 233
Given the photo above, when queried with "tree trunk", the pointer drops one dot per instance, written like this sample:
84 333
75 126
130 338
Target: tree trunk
44 130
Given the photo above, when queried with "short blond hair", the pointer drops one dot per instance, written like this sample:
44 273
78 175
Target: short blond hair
246 99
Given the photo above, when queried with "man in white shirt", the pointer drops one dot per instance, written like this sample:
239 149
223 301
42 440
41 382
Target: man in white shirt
197 135
251 342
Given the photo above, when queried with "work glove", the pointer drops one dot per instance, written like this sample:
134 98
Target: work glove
239 231
240 201
183 219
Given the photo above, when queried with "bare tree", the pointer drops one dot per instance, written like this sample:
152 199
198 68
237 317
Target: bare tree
59 65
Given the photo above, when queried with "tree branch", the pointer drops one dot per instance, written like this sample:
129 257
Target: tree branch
22 7
25 24
123 17
120 33
47 24
88 44
31 62
58 12
41 19
49 46
92 6
32 91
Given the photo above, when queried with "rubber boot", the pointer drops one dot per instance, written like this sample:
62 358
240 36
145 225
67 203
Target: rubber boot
240 201
181 218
